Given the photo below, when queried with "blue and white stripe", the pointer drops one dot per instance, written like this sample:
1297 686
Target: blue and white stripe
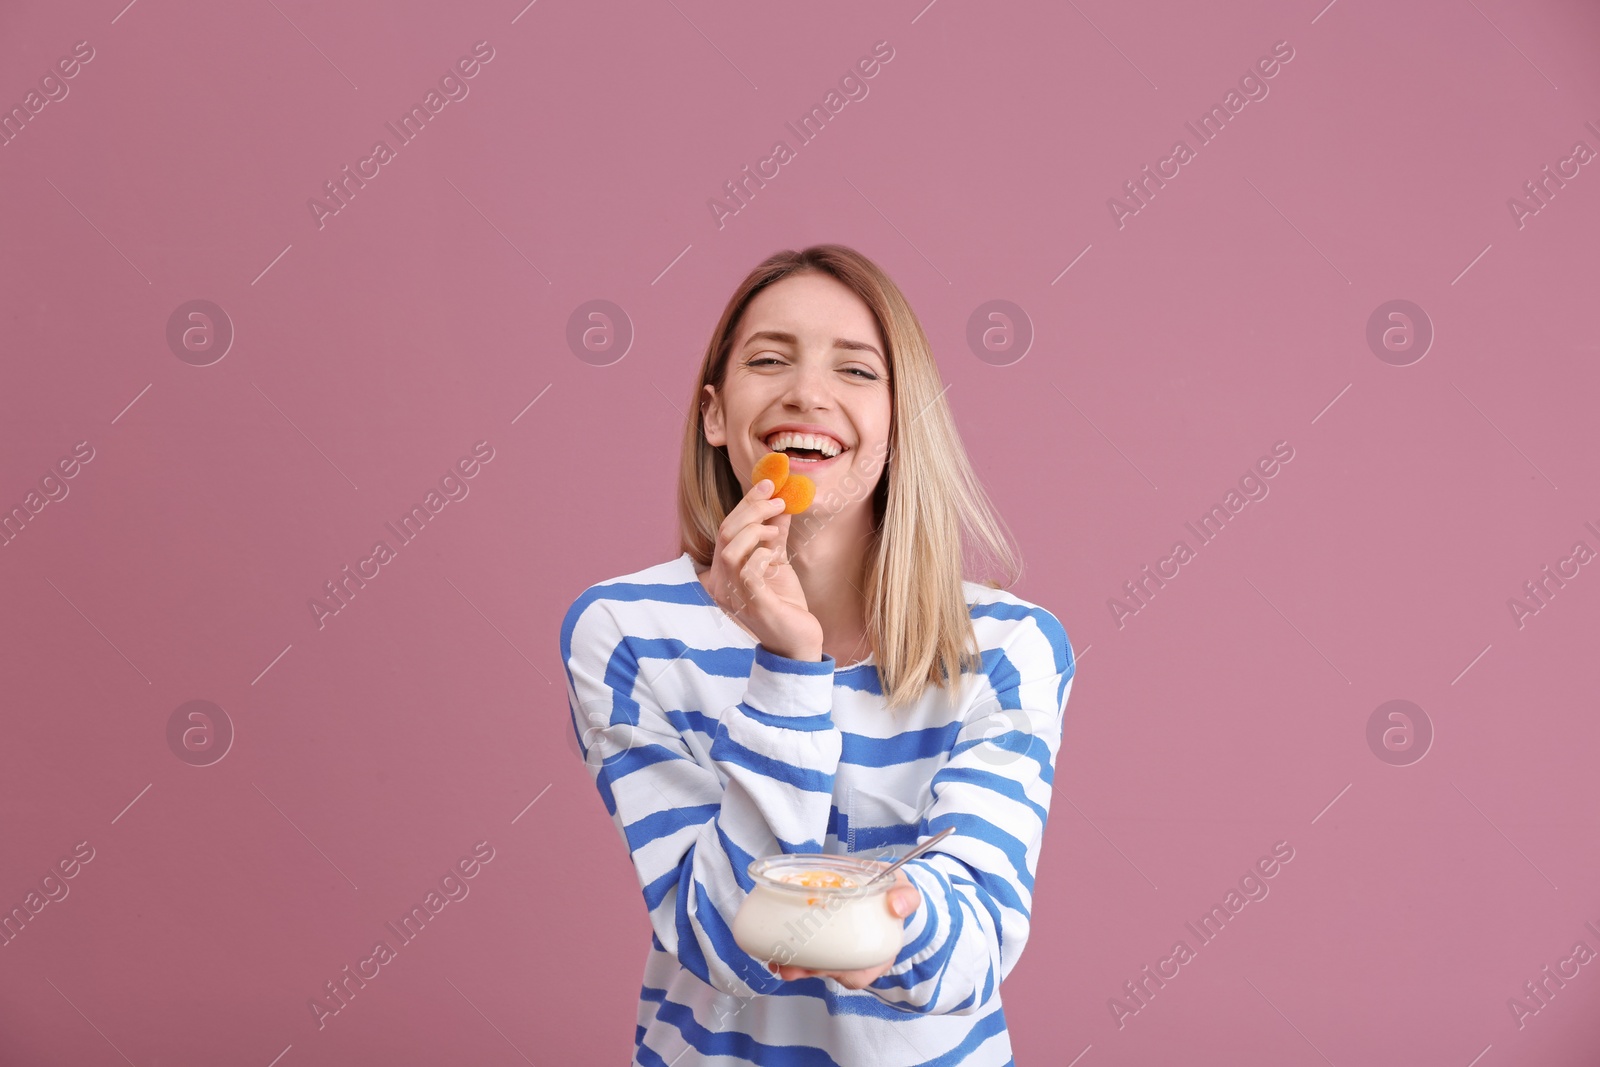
709 751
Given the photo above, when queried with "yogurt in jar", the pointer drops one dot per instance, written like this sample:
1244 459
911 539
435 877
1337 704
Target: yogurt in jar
813 910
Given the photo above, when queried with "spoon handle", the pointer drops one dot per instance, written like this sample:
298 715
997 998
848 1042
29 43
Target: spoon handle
913 854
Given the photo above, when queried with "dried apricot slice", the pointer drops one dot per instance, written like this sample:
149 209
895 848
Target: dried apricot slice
795 490
815 879
773 465
797 493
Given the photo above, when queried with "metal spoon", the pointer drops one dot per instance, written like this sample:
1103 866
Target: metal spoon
913 854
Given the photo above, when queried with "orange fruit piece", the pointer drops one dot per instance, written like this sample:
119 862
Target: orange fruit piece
798 492
820 879
773 465
795 490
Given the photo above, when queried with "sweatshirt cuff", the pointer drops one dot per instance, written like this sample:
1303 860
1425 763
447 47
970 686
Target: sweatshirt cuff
787 687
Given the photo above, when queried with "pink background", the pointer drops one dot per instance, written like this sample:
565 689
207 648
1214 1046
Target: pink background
372 753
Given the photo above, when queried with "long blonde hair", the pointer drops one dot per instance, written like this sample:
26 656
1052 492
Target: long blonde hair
917 616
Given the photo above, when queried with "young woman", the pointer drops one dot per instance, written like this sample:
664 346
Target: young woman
823 682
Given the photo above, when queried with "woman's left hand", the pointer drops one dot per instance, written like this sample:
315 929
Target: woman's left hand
901 900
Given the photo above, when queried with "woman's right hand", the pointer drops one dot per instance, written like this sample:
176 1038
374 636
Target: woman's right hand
751 578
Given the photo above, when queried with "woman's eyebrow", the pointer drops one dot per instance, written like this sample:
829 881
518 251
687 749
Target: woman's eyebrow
790 339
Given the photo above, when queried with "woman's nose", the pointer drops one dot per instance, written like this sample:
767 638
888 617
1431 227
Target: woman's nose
809 386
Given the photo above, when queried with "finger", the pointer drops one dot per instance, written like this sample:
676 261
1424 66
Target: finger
862 977
907 894
764 571
781 523
757 569
734 578
756 506
746 541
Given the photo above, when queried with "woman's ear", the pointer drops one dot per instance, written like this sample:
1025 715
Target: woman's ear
711 417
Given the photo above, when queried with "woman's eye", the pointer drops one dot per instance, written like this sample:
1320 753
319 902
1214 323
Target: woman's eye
866 375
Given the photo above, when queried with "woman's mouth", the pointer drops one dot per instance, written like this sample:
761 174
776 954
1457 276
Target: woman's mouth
806 460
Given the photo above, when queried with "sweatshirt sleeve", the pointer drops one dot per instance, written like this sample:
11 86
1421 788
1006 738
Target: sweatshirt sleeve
690 836
977 885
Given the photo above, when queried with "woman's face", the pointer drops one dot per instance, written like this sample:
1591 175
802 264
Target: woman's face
807 356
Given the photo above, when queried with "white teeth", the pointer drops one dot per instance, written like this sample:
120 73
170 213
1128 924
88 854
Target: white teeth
788 439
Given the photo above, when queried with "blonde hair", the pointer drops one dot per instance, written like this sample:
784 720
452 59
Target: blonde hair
917 618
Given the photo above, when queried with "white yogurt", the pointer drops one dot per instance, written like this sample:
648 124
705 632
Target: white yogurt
820 927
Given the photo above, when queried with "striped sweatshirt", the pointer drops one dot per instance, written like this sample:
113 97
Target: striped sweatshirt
710 751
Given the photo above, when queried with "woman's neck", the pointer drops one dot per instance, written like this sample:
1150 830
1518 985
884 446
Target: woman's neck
830 561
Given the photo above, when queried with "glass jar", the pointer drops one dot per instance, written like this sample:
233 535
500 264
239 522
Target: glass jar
810 910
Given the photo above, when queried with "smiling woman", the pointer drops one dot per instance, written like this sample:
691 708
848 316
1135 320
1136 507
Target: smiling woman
767 694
